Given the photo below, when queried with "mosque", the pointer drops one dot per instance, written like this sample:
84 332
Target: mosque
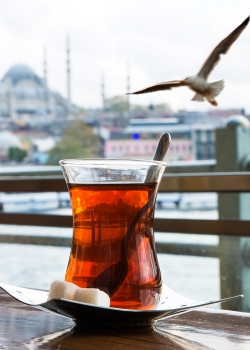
25 96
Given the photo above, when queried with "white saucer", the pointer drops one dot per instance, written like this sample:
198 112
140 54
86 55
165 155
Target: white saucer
90 315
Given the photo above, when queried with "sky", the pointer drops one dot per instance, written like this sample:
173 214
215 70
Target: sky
158 40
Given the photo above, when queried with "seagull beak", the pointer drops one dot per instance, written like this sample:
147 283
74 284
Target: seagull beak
182 81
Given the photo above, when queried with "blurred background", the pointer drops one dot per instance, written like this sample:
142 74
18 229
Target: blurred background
66 67
68 62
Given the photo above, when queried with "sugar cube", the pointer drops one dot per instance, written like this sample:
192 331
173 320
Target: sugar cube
92 296
62 289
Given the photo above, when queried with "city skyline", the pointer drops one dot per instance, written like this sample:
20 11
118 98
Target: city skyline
160 40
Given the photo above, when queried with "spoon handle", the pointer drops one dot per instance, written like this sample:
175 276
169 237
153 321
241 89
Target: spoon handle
162 147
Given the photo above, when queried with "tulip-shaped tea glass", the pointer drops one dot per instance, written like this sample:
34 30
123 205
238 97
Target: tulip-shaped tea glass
113 248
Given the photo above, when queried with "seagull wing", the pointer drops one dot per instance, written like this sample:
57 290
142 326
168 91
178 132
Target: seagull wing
221 49
161 86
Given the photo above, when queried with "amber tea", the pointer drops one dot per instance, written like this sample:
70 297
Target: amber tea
113 245
113 248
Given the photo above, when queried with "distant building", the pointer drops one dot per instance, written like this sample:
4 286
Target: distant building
24 96
140 139
40 148
204 142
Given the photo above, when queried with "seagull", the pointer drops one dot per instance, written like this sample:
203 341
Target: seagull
198 83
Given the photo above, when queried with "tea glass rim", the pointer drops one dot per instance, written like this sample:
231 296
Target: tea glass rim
108 161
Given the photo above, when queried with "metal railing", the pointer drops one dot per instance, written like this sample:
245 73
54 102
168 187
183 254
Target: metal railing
204 182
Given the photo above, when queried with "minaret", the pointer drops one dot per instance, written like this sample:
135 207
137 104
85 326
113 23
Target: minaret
103 92
45 81
68 72
45 68
128 87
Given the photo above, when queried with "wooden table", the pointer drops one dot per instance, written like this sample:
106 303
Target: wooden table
25 327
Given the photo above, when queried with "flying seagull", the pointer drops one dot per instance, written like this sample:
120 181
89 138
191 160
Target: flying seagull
198 83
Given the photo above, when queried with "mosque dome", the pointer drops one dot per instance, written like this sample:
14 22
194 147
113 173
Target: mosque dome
7 140
22 72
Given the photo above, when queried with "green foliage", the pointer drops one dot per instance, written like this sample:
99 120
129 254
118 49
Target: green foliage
117 104
66 149
139 108
78 141
17 154
162 107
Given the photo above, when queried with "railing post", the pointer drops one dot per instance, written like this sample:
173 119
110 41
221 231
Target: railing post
232 145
